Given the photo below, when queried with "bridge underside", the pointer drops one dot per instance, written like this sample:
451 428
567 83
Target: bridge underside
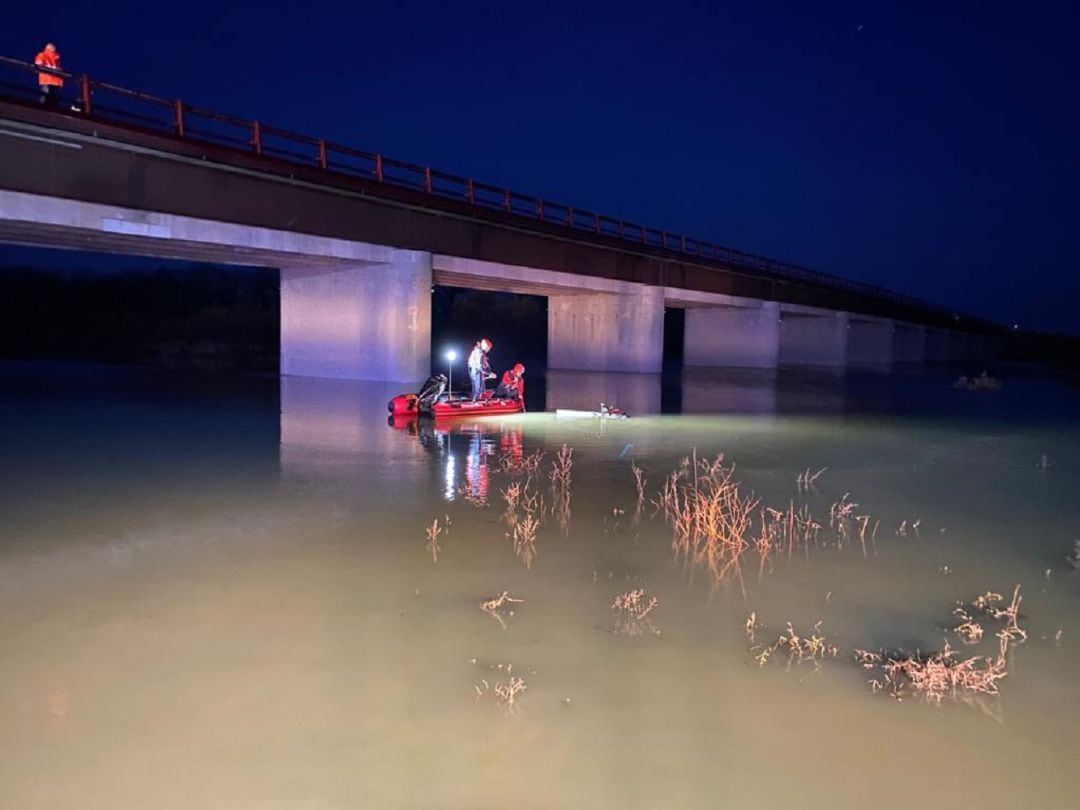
359 310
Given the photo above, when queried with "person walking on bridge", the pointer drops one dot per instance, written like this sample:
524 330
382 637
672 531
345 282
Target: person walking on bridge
49 82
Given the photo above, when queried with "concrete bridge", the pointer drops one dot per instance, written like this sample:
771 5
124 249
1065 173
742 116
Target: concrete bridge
360 239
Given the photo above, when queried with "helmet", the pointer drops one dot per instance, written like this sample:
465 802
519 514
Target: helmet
485 344
519 369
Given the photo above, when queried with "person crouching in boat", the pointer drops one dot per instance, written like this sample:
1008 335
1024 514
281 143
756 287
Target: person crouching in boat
479 367
512 384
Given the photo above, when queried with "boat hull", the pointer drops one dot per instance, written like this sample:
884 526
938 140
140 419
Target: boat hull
407 405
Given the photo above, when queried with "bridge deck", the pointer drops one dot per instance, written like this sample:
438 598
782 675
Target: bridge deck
133 150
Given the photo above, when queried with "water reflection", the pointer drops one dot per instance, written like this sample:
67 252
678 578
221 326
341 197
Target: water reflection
729 391
278 583
330 424
480 443
582 390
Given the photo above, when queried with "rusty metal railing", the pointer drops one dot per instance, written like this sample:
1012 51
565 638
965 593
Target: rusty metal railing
100 100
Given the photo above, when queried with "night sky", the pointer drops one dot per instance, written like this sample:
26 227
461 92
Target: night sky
930 148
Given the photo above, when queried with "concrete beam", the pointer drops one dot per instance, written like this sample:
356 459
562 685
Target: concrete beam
362 323
54 222
812 337
733 336
455 271
870 342
607 332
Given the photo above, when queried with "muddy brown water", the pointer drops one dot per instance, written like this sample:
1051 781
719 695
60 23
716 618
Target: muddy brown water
221 596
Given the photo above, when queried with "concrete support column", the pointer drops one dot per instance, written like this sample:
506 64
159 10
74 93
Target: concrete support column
959 346
985 349
909 343
367 322
870 342
747 337
813 338
621 331
937 346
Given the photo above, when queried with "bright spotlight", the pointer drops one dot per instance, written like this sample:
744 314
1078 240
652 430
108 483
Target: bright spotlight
450 356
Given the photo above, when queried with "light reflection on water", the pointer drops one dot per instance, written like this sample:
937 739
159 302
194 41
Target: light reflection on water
220 596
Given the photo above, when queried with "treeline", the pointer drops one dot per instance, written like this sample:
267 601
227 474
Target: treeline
202 317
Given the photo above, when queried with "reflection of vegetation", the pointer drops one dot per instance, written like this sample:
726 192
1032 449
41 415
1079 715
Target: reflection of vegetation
710 517
714 522
632 611
812 647
942 675
433 531
499 605
560 476
199 317
503 692
984 382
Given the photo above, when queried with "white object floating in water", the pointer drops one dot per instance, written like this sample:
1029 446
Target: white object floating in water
604 413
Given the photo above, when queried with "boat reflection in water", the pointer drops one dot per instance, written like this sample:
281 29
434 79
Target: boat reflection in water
480 442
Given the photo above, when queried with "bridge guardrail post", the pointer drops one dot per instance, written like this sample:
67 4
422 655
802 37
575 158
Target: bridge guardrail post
85 93
378 168
178 117
256 137
323 162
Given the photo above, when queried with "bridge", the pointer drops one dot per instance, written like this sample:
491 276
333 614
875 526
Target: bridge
359 239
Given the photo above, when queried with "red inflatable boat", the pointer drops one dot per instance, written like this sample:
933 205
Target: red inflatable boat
454 408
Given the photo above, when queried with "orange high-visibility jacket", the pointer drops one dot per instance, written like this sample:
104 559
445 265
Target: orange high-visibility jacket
49 60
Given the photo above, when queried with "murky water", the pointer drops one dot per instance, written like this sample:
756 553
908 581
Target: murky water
223 596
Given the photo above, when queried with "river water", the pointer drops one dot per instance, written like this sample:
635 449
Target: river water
221 594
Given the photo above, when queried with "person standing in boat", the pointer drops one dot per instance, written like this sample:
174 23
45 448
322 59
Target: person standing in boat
479 367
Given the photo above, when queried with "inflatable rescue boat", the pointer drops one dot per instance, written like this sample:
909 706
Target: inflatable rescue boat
432 401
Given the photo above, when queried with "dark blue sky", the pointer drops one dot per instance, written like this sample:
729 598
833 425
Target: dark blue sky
931 148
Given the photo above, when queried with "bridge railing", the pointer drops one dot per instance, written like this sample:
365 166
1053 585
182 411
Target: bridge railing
99 100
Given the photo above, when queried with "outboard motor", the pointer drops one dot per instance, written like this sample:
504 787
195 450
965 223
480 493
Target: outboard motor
430 392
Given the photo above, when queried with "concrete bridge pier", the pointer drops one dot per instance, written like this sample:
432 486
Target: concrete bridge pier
359 322
985 349
746 335
909 343
812 337
870 342
607 331
959 347
937 346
